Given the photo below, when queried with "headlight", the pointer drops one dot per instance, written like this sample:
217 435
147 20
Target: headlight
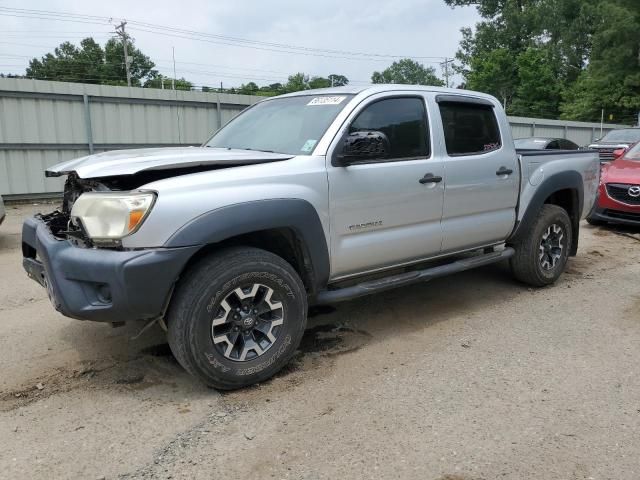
111 216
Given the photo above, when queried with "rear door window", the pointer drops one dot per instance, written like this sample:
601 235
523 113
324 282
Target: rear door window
469 129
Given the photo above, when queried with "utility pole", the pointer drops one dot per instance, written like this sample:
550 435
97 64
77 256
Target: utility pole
445 67
173 80
127 59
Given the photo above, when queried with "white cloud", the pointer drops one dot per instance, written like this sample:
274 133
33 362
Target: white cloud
421 28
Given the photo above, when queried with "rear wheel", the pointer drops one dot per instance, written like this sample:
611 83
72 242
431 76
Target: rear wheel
237 317
541 256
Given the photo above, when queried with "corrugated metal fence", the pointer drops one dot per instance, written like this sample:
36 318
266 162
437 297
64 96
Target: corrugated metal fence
44 123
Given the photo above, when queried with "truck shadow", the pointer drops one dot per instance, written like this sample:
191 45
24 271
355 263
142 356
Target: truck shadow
110 358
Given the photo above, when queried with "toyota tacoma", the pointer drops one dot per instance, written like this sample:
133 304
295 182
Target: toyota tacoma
304 199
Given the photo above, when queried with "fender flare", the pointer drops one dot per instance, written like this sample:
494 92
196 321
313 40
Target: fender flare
230 221
560 181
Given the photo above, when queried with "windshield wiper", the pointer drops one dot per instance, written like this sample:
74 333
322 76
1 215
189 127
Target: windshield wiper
256 150
250 149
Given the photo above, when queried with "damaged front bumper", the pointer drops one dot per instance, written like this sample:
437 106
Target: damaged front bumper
100 284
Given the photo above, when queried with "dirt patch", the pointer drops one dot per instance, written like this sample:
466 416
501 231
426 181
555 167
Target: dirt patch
454 477
59 381
140 372
487 380
330 340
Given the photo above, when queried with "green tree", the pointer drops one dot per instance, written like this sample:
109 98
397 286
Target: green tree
90 63
248 89
407 71
272 89
69 63
297 82
338 80
319 82
520 42
537 93
611 81
550 57
160 81
493 72
141 66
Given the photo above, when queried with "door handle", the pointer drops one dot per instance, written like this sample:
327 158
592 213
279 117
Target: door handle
504 171
430 178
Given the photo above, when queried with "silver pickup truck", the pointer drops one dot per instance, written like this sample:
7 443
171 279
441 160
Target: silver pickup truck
308 198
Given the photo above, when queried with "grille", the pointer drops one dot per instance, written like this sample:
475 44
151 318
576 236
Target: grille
620 192
622 215
606 154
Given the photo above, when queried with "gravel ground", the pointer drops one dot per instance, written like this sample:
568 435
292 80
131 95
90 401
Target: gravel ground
467 377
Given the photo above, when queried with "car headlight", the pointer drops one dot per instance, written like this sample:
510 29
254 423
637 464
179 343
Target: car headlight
106 217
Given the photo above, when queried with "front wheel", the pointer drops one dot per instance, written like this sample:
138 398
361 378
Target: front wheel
542 254
237 317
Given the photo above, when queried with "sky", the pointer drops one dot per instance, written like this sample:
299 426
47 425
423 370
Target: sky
426 30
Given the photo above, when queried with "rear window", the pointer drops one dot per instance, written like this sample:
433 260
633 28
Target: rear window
530 143
626 135
633 154
469 129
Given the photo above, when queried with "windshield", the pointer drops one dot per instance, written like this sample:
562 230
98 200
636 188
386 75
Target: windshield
629 135
633 154
530 143
291 125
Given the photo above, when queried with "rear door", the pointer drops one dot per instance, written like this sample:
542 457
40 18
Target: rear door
482 174
381 213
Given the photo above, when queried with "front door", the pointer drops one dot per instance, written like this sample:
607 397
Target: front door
384 212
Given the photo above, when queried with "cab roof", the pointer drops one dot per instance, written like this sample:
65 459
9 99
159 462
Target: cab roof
381 88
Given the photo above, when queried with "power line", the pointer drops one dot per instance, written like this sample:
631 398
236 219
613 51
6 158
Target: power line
210 38
268 49
213 38
48 18
168 63
271 44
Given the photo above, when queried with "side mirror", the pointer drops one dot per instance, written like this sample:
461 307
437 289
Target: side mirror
361 146
617 153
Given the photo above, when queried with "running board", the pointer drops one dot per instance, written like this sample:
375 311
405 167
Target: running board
403 279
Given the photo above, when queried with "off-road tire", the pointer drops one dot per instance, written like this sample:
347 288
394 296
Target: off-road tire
198 297
526 264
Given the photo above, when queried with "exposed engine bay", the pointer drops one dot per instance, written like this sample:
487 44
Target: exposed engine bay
59 221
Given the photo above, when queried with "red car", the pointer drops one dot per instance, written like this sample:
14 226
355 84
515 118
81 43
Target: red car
619 192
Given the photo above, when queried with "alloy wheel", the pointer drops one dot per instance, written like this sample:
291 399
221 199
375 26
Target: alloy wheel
247 322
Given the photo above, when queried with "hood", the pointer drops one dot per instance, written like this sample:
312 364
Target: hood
130 162
622 171
611 145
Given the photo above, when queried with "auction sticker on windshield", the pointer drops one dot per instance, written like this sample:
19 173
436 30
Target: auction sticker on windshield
308 146
326 100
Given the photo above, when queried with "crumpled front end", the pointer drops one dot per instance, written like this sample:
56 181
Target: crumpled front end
100 284
103 285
